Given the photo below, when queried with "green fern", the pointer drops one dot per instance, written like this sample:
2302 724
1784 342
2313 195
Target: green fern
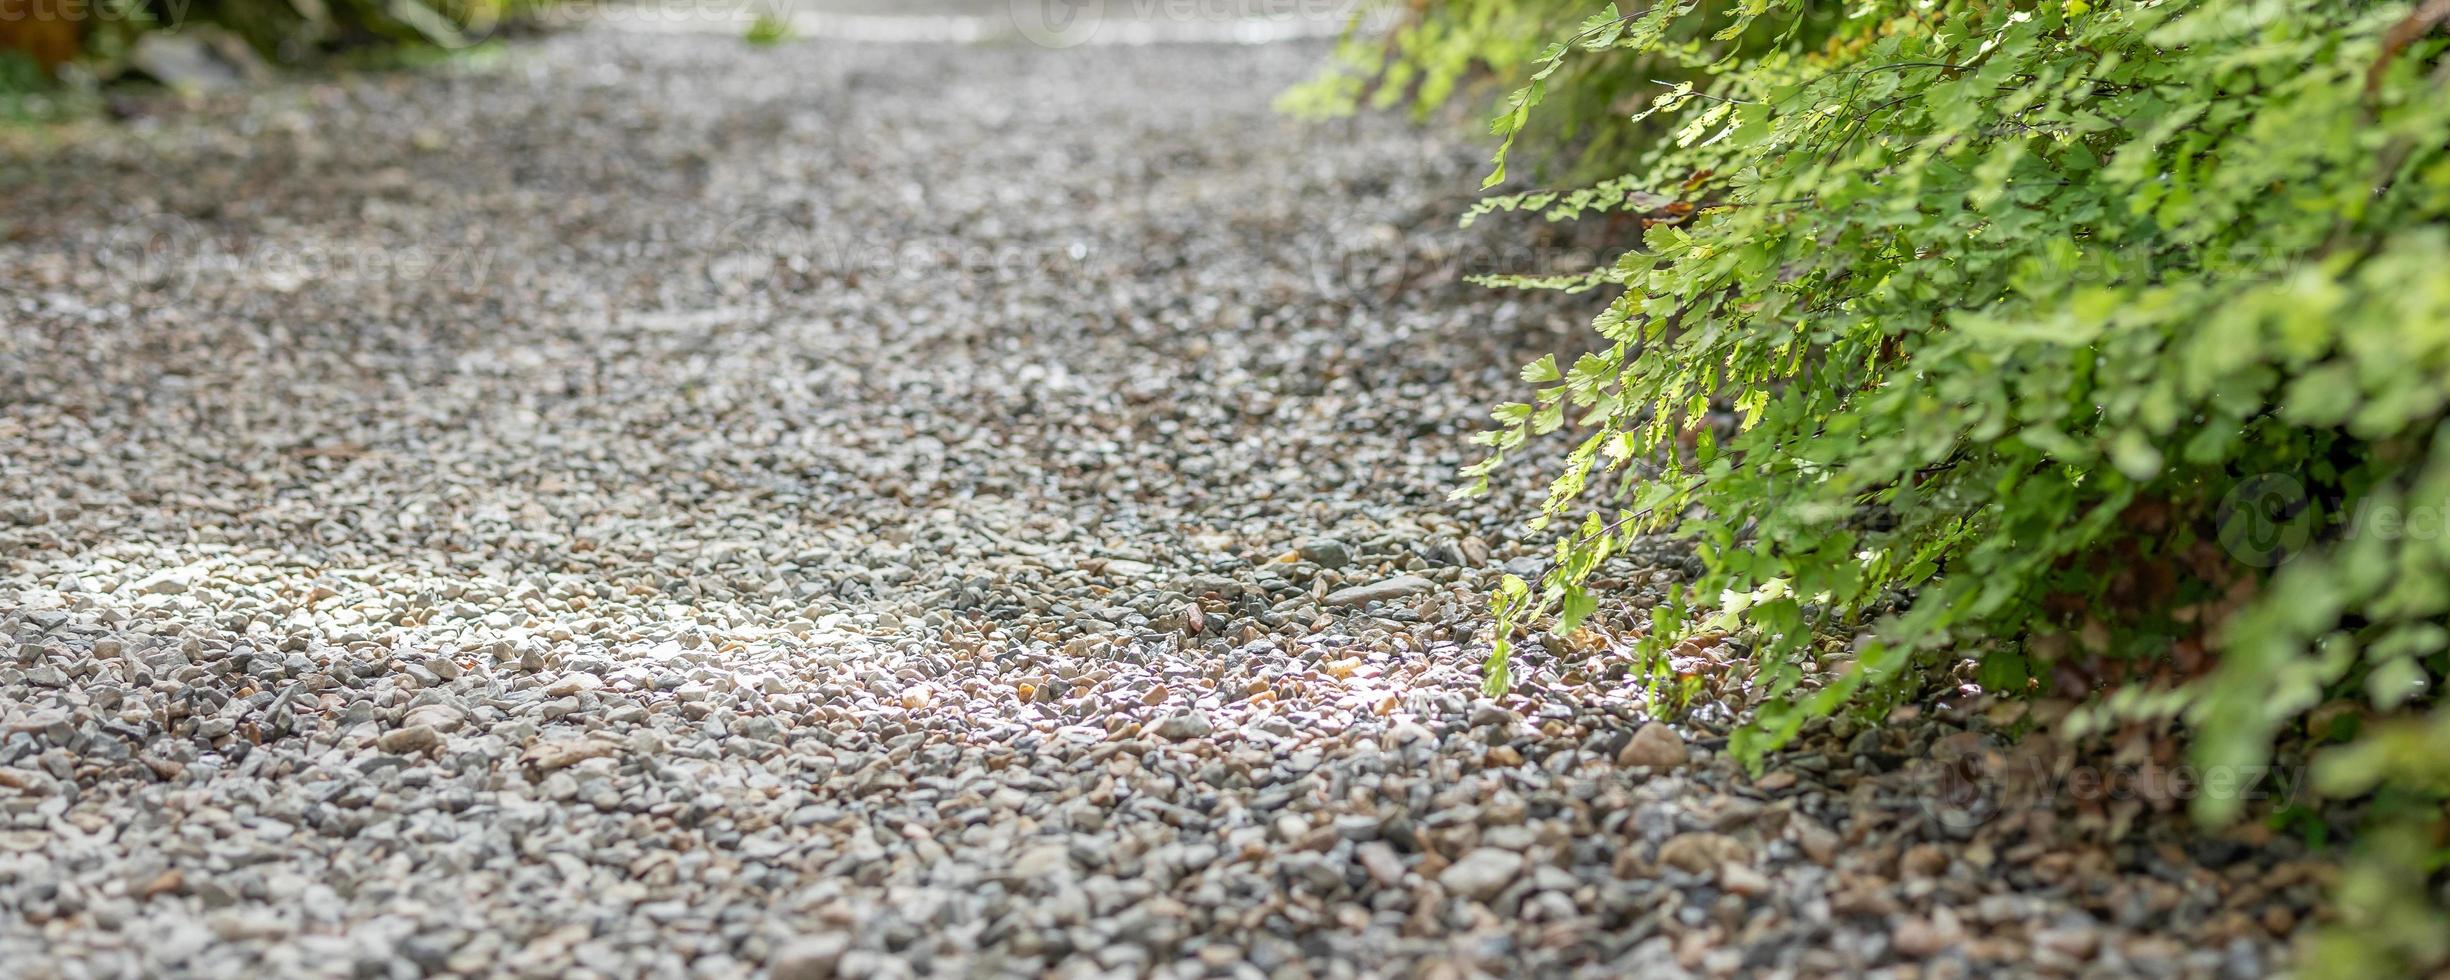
2011 303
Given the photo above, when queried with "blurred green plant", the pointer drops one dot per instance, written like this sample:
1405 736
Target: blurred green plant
768 30
84 42
2081 339
291 31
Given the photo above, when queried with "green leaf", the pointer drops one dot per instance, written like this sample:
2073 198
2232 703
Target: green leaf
1577 605
2134 454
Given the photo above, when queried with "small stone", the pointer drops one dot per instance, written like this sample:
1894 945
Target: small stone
439 717
1185 725
28 781
1924 861
1394 588
1741 879
547 756
1325 552
2076 942
1917 938
1380 861
1817 843
1489 714
410 740
1656 746
2278 920
1482 873
168 882
166 582
1042 861
1700 852
809 958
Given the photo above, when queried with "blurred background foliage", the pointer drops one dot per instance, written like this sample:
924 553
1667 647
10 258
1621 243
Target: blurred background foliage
54 53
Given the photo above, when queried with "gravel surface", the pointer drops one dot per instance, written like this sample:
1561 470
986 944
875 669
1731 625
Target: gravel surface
641 506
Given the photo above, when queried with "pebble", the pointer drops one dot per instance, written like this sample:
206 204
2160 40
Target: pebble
1186 725
1918 939
436 717
405 741
1654 745
1700 852
812 958
1481 873
1325 552
1740 879
2074 942
1394 588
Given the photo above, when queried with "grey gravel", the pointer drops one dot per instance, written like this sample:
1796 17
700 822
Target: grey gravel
643 506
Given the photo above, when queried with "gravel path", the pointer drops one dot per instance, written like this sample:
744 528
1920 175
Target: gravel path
643 506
